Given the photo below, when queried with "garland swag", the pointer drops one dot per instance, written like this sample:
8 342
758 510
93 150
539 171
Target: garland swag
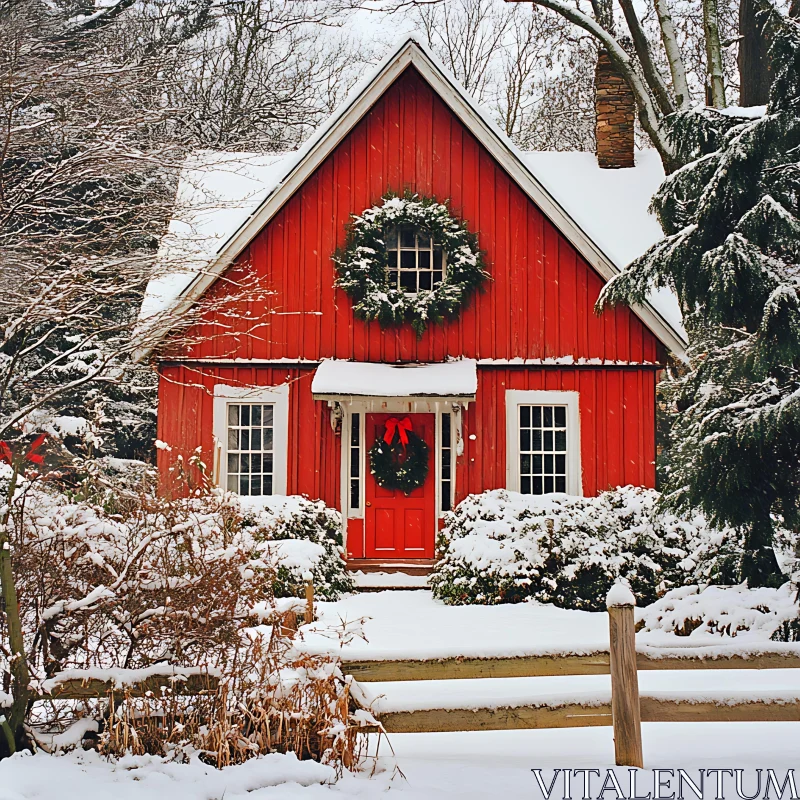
362 267
400 463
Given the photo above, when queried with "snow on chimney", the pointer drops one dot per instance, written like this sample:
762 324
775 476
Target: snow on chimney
614 113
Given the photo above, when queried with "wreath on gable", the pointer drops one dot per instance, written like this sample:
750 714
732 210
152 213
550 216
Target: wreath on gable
363 270
399 459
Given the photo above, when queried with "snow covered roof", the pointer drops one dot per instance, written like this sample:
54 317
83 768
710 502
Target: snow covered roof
449 379
602 212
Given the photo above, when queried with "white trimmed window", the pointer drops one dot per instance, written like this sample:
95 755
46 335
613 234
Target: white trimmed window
543 442
416 263
251 429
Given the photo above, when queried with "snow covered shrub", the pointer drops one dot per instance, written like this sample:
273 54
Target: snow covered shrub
149 586
504 547
304 536
706 615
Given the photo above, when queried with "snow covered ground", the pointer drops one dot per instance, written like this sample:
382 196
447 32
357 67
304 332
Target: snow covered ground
468 766
411 624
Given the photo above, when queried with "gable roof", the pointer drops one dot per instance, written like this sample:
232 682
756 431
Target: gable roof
259 186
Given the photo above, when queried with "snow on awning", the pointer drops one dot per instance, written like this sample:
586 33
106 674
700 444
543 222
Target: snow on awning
449 379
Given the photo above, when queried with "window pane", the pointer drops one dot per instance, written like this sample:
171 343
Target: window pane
394 278
233 481
408 260
537 465
267 485
536 442
437 259
548 465
267 462
537 485
244 485
256 419
561 440
425 281
561 484
245 464
536 416
423 239
525 485
445 430
354 459
525 440
437 277
391 240
548 440
408 281
268 413
233 439
233 463
548 416
548 485
255 484
267 439
244 440
255 464
355 430
407 236
525 464
245 415
233 415
561 465
355 494
424 259
561 417
255 439
525 416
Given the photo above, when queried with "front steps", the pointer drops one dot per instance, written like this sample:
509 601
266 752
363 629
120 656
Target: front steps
377 575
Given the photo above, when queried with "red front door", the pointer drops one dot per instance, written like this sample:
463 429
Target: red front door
400 526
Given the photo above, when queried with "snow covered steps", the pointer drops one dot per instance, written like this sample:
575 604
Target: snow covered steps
563 701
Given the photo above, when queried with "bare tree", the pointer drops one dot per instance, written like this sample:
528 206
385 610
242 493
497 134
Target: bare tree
716 75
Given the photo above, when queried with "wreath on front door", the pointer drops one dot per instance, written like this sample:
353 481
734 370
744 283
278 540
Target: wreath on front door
363 270
399 459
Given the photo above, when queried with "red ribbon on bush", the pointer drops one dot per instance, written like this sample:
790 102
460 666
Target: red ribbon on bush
402 427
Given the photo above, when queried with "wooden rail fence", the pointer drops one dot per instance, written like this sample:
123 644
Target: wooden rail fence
626 709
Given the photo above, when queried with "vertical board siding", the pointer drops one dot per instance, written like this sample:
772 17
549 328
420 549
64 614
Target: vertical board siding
611 454
538 304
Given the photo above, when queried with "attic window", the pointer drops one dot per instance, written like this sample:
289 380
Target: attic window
416 263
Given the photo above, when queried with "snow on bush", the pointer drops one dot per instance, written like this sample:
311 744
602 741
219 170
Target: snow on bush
504 547
304 536
117 590
718 612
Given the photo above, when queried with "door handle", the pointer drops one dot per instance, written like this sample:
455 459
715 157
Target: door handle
368 503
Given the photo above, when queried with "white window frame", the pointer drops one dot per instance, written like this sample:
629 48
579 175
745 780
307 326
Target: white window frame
416 250
516 398
276 395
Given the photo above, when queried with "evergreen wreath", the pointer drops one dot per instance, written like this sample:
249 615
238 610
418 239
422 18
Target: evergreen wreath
362 267
399 459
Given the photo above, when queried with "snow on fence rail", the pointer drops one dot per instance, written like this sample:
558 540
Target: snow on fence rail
511 707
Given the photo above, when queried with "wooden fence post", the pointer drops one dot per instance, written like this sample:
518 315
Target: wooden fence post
309 617
625 710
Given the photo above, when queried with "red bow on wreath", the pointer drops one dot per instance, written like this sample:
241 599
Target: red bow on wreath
402 427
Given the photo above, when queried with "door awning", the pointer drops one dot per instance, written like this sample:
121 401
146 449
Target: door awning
448 380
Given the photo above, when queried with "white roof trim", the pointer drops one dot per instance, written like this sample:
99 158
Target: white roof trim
452 380
321 145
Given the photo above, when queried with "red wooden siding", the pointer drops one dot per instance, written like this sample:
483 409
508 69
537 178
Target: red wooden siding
539 303
616 417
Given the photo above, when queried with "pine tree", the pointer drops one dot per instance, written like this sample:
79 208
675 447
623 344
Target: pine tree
731 217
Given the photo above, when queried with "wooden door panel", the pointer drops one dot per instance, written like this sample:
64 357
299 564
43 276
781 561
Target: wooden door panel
399 525
384 521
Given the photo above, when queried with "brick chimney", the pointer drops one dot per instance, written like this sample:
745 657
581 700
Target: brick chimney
614 114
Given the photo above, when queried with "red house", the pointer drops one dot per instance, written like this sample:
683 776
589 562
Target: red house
524 387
